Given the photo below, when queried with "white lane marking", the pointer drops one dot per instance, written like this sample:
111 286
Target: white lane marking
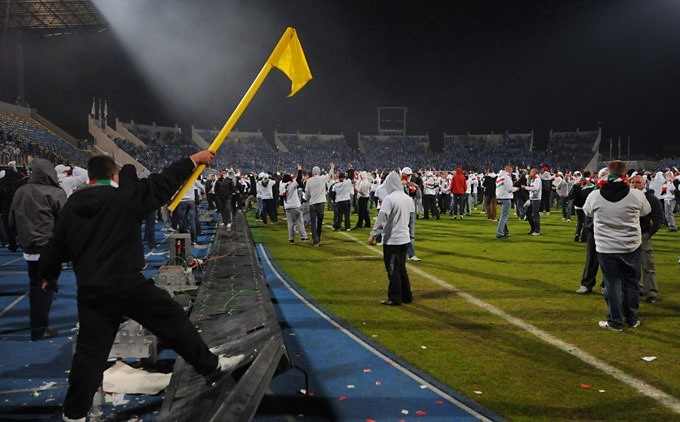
641 386
11 262
11 305
370 348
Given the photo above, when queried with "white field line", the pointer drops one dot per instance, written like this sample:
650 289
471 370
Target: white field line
641 386
370 348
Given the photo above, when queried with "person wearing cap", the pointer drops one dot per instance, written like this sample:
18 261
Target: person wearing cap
108 265
315 189
32 216
616 210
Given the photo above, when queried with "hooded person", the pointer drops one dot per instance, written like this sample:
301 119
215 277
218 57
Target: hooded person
127 175
98 230
656 185
293 206
458 188
363 189
393 224
32 216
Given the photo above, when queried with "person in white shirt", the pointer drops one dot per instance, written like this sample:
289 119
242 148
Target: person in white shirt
363 189
616 210
392 223
668 197
431 184
265 186
343 195
535 188
293 206
504 190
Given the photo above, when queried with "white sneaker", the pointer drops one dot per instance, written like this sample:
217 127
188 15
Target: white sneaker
568 220
414 258
637 324
227 363
605 324
535 234
582 290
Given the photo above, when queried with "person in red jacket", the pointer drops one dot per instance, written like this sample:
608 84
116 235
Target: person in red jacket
458 187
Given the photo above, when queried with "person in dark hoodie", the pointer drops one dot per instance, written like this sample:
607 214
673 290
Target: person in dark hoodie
8 187
616 210
99 231
32 217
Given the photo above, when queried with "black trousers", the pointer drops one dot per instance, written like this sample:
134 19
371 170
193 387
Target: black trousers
399 289
430 205
364 219
268 209
99 318
341 211
316 212
40 301
592 264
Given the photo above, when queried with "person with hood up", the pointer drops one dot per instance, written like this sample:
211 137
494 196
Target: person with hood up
98 230
344 190
266 190
458 188
32 216
393 224
292 205
315 189
616 210
535 188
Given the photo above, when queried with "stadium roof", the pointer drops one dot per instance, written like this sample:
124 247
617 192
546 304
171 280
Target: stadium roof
47 18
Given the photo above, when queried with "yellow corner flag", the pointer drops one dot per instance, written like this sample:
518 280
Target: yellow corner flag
293 63
287 57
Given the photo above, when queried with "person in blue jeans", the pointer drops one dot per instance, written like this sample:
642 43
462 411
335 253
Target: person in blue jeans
504 191
616 210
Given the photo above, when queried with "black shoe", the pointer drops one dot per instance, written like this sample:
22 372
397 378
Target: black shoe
530 232
389 302
47 334
651 299
576 239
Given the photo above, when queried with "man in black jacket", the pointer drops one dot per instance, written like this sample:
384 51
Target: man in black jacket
649 225
32 217
99 231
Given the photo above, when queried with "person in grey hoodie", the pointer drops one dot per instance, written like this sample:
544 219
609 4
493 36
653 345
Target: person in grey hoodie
393 224
32 216
315 189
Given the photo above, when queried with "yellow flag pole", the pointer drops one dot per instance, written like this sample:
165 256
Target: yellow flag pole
245 101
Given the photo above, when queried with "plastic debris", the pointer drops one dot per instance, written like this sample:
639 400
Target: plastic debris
303 391
585 386
477 392
404 412
342 398
350 386
374 335
297 355
648 358
423 386
601 391
36 394
439 402
292 334
49 400
378 383
367 369
47 385
423 347
420 413
370 420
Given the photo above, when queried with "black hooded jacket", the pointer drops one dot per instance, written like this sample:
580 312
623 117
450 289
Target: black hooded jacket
99 231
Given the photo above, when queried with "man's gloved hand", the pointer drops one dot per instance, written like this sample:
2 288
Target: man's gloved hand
50 285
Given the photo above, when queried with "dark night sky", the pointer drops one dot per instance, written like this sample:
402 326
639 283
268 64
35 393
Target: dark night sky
458 66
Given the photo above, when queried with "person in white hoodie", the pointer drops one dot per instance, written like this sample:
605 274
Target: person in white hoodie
616 210
535 188
292 205
668 197
315 189
504 190
392 223
363 189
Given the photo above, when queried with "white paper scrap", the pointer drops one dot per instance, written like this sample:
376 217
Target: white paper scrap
648 358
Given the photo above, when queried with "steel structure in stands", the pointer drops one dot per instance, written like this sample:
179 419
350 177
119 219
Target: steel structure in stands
30 19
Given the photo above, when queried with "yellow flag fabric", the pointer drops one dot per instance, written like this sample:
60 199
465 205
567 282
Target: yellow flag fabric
293 63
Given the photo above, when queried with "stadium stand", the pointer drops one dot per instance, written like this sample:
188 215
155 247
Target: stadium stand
248 151
310 150
384 151
568 150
